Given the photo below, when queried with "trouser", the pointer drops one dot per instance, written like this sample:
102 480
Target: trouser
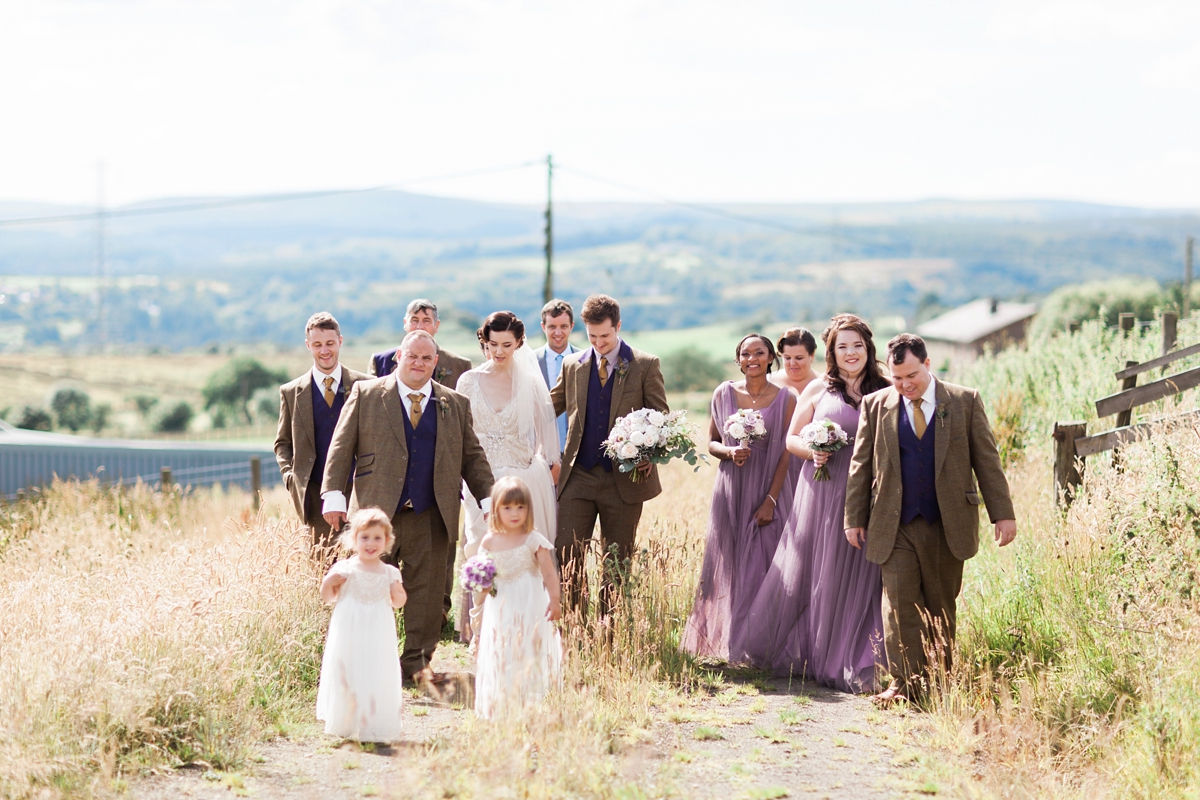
420 552
589 494
324 538
448 598
921 579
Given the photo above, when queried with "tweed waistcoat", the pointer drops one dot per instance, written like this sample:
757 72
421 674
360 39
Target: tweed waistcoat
917 473
595 420
422 444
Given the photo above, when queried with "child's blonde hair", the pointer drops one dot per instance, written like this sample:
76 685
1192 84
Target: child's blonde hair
367 518
510 491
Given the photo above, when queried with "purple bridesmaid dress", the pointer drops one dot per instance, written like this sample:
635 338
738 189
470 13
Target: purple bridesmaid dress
817 615
737 553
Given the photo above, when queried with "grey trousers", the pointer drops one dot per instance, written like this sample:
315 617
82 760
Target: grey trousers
921 581
420 552
590 494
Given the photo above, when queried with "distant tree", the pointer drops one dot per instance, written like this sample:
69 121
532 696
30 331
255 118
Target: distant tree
33 418
1099 299
690 369
101 415
234 384
175 418
72 407
265 404
144 403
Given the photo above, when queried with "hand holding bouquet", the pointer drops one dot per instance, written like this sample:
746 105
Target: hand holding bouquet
479 574
650 435
823 436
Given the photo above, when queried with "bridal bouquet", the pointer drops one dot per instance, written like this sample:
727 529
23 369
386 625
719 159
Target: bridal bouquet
479 574
746 425
825 436
650 435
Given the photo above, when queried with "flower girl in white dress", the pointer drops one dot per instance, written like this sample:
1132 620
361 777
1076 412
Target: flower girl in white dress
360 693
519 656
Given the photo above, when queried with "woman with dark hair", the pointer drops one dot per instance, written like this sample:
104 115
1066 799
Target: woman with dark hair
515 422
749 504
817 614
797 350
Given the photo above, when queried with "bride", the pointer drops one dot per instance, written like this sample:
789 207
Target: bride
514 420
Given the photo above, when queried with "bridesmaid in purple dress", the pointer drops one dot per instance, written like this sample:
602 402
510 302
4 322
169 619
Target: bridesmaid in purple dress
797 348
817 614
749 503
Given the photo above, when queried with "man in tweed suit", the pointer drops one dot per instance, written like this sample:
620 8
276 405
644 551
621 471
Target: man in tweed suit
597 385
422 315
309 408
912 499
412 444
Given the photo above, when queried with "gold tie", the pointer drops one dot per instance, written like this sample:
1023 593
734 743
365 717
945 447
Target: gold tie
603 370
329 390
918 419
415 415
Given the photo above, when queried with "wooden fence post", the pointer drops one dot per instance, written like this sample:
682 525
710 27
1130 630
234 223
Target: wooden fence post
1125 417
1068 468
256 480
1126 320
1074 326
1169 325
165 484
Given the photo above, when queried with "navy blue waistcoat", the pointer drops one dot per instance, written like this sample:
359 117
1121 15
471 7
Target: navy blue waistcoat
422 444
324 421
595 418
917 474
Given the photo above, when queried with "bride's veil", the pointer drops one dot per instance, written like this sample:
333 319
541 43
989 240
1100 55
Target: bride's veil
535 411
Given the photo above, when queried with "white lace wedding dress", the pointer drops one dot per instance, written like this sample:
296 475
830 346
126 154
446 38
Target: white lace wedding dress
360 693
519 658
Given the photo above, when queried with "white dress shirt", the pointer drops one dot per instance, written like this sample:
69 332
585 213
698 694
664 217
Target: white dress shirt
336 500
928 404
318 379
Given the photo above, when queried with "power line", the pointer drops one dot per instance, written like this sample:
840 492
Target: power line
255 199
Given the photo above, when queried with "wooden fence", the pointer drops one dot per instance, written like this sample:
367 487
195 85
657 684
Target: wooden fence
1074 445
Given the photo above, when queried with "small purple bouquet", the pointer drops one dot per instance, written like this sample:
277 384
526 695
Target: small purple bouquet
746 425
824 436
479 574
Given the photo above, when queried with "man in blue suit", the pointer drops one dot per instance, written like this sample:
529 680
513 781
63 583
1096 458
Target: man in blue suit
558 320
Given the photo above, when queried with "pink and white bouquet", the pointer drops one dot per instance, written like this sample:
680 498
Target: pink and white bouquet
746 425
479 574
650 435
824 436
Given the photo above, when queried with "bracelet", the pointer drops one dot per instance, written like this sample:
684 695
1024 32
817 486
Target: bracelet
773 503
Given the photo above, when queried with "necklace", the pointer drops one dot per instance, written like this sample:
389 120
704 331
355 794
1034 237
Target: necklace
754 398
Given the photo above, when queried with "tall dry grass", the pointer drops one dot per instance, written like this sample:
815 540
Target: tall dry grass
1078 658
140 628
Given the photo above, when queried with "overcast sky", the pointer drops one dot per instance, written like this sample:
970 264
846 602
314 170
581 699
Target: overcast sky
753 100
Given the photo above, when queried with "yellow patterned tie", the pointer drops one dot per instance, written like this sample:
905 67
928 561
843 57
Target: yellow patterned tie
415 415
602 369
918 419
329 390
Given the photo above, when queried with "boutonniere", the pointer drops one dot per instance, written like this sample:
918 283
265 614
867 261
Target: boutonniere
622 369
941 414
444 404
441 375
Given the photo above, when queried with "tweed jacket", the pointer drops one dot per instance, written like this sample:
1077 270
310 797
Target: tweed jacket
370 435
964 445
641 386
450 366
295 446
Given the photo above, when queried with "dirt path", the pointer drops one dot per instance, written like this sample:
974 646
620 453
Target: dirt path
748 740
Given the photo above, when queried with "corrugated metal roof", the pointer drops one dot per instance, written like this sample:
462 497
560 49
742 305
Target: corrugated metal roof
35 458
975 320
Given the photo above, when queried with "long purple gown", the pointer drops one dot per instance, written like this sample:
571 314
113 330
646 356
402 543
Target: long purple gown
737 553
817 614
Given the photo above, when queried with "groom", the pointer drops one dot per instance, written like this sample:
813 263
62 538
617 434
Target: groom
412 444
597 385
912 499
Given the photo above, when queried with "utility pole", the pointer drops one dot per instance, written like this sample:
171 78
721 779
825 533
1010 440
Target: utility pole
548 286
1187 278
101 325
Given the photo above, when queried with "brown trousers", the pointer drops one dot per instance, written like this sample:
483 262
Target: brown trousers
420 552
590 494
324 538
921 580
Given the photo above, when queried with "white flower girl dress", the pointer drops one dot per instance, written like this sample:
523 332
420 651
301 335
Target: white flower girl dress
520 655
360 693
